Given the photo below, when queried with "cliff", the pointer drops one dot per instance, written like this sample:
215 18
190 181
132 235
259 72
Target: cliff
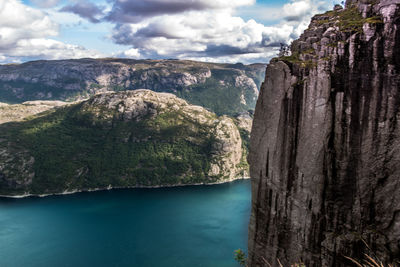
325 143
223 88
116 139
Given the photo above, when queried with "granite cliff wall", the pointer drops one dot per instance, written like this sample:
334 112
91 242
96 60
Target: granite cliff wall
325 143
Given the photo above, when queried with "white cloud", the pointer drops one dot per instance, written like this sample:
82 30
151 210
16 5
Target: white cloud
245 58
297 10
50 49
18 21
209 30
25 32
217 34
130 53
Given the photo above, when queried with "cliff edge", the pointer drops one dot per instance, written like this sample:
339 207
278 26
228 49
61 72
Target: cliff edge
325 143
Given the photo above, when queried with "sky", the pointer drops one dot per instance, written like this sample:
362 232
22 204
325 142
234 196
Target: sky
228 31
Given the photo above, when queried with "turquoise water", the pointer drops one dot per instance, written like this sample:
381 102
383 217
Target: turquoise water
182 226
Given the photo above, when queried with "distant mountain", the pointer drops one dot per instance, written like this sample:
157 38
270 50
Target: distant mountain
222 88
117 139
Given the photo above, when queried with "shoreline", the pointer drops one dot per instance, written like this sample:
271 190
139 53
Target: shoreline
121 187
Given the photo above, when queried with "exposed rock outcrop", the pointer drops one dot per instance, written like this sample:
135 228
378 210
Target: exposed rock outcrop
325 143
19 112
117 139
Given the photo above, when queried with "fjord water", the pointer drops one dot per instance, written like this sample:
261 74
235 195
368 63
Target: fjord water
171 227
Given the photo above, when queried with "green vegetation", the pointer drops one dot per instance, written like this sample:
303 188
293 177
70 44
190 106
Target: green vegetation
240 257
374 20
95 86
74 147
334 44
219 94
244 165
322 21
327 58
348 19
310 51
20 91
294 58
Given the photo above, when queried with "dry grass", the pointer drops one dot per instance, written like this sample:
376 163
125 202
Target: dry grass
370 261
281 265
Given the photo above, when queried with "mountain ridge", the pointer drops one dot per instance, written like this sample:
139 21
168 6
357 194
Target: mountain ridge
136 138
201 83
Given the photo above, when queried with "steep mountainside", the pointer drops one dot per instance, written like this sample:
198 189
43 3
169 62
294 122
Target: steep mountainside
222 88
325 143
117 139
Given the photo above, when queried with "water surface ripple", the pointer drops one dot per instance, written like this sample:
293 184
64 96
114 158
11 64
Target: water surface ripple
171 227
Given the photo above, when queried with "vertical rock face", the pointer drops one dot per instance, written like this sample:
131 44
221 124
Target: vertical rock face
325 142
